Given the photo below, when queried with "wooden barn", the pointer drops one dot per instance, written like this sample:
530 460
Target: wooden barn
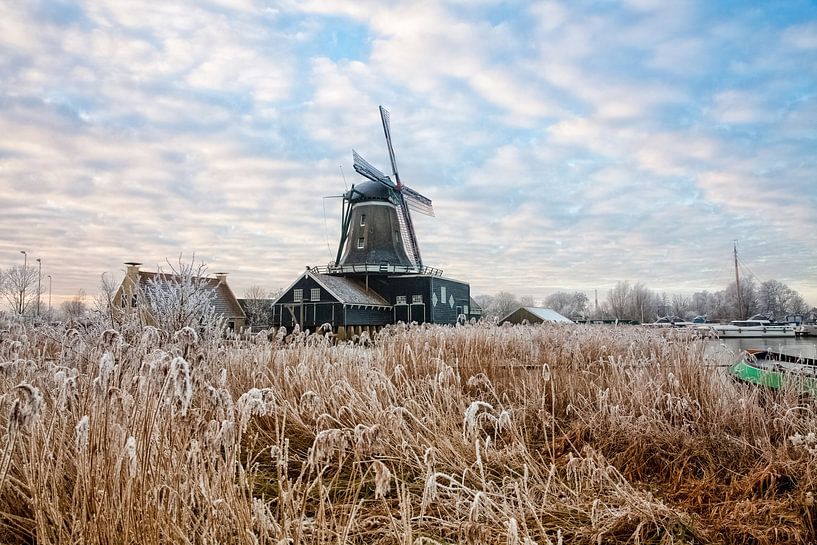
378 276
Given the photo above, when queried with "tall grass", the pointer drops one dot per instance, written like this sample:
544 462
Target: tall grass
478 434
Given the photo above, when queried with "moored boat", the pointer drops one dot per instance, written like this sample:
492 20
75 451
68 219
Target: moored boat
753 327
776 370
808 329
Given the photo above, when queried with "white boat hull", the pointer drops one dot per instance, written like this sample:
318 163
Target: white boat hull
808 329
727 331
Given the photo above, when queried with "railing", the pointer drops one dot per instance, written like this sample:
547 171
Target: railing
383 268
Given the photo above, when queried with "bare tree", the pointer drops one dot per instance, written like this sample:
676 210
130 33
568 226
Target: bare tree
484 301
747 304
258 305
568 304
777 299
527 301
75 307
103 302
618 299
680 305
502 304
19 288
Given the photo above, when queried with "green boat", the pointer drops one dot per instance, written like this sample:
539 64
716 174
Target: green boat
775 370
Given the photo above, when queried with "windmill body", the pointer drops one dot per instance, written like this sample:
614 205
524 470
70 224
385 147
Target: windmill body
371 234
378 276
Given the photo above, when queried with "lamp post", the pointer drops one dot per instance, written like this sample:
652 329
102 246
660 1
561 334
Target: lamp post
39 281
23 283
49 294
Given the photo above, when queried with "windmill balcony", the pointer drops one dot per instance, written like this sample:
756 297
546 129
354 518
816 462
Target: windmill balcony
382 268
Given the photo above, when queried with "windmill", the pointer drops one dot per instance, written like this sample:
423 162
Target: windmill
377 227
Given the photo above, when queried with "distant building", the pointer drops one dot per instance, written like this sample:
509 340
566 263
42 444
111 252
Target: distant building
137 282
535 315
474 310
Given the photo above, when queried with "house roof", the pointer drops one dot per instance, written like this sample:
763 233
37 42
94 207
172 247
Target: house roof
543 314
224 301
349 291
342 288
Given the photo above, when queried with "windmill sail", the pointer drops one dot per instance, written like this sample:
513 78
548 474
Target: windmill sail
417 202
365 168
384 116
408 235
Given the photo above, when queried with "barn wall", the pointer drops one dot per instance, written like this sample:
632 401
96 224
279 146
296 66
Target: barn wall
368 316
444 312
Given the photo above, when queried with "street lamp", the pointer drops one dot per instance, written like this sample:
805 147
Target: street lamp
49 293
39 279
23 283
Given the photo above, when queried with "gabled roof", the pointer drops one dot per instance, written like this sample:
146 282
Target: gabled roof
349 291
224 300
543 314
342 288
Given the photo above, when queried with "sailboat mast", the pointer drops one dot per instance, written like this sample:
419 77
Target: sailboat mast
737 282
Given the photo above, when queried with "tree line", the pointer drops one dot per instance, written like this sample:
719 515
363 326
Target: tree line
635 301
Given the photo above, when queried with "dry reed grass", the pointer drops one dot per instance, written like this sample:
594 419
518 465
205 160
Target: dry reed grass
478 434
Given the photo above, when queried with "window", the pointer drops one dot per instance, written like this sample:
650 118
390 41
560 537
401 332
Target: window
442 292
465 309
363 220
133 300
360 243
316 294
401 300
298 295
416 299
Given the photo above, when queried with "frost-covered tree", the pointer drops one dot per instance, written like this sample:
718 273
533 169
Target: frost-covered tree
258 305
182 297
75 307
567 303
618 299
502 304
19 288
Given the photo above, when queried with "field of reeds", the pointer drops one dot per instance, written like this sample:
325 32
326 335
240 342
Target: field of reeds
421 435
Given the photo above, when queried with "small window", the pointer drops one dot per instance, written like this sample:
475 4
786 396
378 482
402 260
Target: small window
401 300
298 295
416 299
316 294
360 243
442 292
133 300
363 220
465 309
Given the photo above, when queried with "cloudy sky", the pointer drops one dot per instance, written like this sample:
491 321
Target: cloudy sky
565 145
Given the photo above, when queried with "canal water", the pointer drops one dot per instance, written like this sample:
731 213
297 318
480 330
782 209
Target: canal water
726 350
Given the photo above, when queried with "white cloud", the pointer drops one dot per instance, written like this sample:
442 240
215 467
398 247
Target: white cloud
566 145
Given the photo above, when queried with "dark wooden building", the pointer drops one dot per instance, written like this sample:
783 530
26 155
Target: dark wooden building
351 303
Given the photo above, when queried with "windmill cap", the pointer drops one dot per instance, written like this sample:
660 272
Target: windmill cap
368 190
